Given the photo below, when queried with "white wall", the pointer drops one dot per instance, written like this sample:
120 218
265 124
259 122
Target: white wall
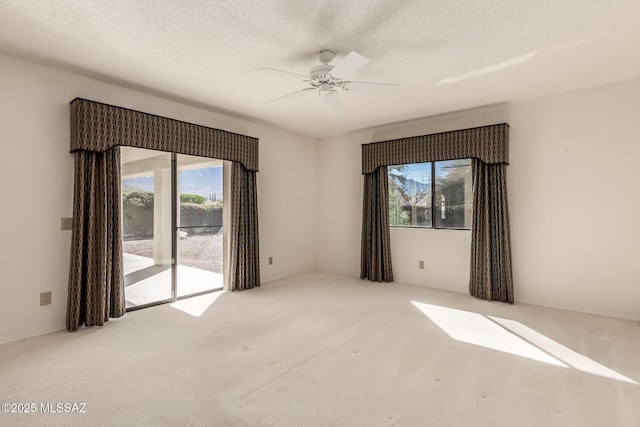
573 192
36 172
575 200
340 203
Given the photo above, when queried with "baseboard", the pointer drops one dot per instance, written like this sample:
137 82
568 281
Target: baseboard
284 276
580 309
32 334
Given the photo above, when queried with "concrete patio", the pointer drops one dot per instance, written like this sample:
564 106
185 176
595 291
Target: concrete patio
146 282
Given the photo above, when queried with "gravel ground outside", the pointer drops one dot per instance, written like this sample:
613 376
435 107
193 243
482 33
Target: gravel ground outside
203 252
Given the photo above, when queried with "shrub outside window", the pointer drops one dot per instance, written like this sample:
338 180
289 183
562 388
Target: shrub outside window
418 200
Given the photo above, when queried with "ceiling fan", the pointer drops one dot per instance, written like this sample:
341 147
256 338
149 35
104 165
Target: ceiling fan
327 79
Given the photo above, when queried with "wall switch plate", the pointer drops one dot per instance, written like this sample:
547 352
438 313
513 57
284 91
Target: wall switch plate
270 260
421 265
66 224
45 298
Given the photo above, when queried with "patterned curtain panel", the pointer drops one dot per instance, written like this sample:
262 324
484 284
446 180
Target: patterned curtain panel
375 261
491 276
98 127
244 265
96 280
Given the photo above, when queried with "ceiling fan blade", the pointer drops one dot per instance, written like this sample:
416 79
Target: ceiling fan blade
372 83
280 72
292 94
336 107
349 64
371 87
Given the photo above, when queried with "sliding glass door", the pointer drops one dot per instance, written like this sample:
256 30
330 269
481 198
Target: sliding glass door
172 225
199 231
146 226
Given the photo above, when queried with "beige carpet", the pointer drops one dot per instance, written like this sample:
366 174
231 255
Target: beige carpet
328 350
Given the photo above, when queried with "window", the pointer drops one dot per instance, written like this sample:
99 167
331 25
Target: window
431 195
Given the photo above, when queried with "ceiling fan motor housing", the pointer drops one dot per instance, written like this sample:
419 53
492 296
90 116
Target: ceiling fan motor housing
320 77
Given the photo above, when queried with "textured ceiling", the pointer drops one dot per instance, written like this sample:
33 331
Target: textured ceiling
446 55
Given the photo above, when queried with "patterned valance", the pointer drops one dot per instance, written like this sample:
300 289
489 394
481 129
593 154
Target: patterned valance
99 127
490 144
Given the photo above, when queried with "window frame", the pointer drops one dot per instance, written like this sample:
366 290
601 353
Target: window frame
433 200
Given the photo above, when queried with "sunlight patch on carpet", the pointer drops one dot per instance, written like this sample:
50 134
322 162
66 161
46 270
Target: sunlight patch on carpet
512 337
563 353
196 306
474 328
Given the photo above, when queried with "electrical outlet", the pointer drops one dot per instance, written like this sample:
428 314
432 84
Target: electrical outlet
45 298
421 265
66 224
270 260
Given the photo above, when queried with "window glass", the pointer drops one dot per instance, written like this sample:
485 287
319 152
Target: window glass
410 195
453 195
